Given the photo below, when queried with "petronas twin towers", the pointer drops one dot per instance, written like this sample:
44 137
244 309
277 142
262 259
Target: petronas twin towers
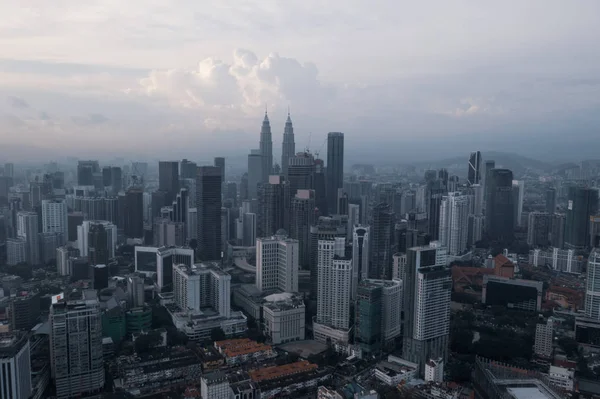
288 148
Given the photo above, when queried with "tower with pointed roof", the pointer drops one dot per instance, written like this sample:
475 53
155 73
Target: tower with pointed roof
266 148
288 148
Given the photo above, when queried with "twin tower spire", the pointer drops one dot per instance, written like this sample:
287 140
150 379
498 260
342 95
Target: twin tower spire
288 148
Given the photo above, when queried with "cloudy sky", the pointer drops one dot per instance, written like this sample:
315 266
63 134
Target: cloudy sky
402 79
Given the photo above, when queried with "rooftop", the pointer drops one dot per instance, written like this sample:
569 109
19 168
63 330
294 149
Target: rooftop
274 372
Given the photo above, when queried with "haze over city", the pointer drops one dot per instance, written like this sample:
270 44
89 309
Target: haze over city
403 80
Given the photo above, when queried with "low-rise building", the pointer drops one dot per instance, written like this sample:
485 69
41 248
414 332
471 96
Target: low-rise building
215 386
284 318
395 371
434 370
242 350
562 377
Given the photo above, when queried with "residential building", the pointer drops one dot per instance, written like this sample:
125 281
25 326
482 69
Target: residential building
544 339
27 229
277 264
54 218
592 289
76 347
427 287
454 216
202 286
434 370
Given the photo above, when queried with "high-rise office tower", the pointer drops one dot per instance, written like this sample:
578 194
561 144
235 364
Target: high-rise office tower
98 245
489 165
382 232
266 149
116 179
592 289
76 347
378 312
134 213
86 171
454 218
499 207
255 173
15 363
477 203
518 189
187 169
288 148
301 172
302 217
135 291
274 206
88 241
582 203
219 162
361 250
168 179
335 168
557 232
427 289
551 200
435 193
277 264
27 229
9 170
54 218
250 228
334 283
320 187
474 175
353 219
539 228
208 199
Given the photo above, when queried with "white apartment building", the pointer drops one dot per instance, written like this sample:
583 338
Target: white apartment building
277 264
454 218
215 386
54 218
592 289
544 337
202 286
434 370
16 251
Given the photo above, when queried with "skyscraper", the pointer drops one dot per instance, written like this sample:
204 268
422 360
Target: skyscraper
381 258
435 192
288 148
499 208
539 227
582 203
474 175
320 187
301 172
76 347
209 212
550 200
187 169
592 289
333 292
98 245
454 217
15 381
360 256
518 195
277 264
86 171
168 179
219 162
266 148
325 228
335 168
427 289
84 235
255 174
274 206
302 217
27 229
134 213
54 218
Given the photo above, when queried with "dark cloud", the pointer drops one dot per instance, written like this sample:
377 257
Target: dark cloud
17 102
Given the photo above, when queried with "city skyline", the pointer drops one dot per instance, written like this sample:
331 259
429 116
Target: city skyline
485 71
